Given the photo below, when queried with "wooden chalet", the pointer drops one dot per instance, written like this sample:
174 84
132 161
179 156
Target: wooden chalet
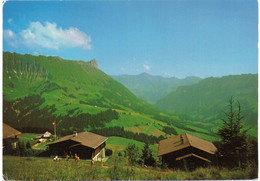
10 135
47 136
86 145
186 150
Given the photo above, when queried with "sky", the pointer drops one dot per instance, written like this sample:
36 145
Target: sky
177 38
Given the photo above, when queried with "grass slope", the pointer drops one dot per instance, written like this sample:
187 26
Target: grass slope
30 168
38 90
57 87
205 101
65 83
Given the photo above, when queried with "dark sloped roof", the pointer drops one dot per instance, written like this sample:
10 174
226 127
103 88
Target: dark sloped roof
183 141
86 138
9 132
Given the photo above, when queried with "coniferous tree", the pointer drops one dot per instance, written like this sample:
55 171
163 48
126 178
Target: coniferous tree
233 148
147 156
132 152
28 145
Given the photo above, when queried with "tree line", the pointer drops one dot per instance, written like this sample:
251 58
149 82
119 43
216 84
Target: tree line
26 115
121 132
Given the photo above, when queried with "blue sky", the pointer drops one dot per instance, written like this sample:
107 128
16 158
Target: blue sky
169 38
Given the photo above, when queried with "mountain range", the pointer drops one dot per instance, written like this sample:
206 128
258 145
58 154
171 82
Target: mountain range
199 102
77 95
153 88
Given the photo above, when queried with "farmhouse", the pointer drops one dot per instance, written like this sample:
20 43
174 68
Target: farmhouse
10 135
43 137
86 145
186 150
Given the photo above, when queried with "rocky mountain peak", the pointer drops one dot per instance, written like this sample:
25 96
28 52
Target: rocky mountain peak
93 63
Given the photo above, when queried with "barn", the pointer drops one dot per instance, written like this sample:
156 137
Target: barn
86 145
186 150
10 135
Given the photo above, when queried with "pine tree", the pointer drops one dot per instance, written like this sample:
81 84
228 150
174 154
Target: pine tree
132 152
233 136
147 155
28 145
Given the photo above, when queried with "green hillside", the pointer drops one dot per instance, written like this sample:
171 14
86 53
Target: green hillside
65 82
152 88
77 95
205 101
38 90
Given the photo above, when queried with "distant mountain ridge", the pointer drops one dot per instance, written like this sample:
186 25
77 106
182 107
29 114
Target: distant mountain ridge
152 88
206 100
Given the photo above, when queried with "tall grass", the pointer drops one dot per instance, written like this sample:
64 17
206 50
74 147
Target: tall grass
32 168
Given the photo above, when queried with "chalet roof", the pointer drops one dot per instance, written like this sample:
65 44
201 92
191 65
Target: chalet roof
9 132
86 138
182 141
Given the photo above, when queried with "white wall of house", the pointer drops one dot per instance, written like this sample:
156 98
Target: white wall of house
99 155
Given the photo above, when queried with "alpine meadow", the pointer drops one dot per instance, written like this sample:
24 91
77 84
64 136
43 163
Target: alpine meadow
130 90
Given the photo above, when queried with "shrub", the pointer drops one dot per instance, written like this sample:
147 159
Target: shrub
108 152
114 171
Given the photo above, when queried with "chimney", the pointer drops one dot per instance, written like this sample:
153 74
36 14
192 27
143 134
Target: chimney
75 133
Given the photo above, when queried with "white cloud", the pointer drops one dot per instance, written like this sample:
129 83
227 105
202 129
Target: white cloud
48 35
146 66
10 20
168 74
10 37
8 34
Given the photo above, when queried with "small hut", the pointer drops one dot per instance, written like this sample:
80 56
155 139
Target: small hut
43 137
47 135
10 135
186 150
86 145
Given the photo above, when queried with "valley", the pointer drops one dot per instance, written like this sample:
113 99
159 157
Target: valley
77 96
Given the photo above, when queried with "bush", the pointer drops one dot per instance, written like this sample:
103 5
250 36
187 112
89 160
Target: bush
108 152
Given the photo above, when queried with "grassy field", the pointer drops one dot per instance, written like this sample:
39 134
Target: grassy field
32 168
123 142
28 137
119 144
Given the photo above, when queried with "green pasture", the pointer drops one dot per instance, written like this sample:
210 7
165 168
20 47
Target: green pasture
27 137
33 168
119 144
